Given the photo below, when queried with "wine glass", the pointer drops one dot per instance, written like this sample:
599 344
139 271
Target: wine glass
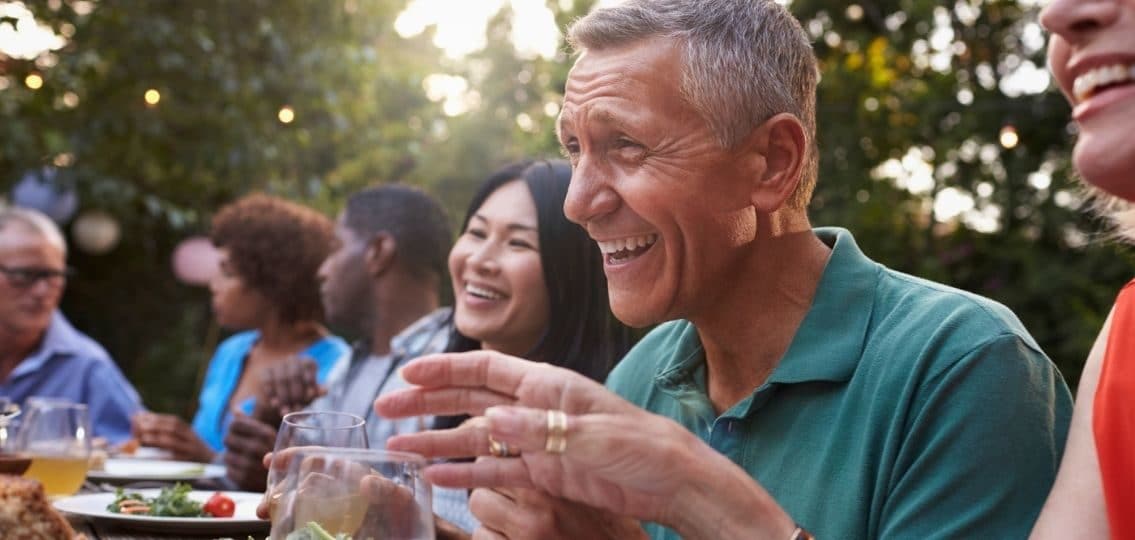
319 428
56 436
326 492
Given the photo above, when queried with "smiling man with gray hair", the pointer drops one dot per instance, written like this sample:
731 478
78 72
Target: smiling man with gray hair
795 384
41 354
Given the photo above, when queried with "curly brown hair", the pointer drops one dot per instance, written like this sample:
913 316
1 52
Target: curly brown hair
276 247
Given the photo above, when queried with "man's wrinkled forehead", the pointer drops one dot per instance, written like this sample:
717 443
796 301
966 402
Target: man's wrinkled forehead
623 64
583 99
617 73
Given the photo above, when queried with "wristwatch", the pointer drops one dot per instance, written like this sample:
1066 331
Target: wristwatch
801 534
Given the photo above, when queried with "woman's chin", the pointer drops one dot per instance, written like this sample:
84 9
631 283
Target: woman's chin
473 331
1107 170
1118 183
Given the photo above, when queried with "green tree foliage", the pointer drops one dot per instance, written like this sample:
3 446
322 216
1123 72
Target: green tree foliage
914 100
224 72
513 104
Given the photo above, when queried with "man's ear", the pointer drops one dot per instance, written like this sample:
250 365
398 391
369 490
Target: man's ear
776 150
379 256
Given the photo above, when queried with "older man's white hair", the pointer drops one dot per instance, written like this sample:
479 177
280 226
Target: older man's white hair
744 62
36 221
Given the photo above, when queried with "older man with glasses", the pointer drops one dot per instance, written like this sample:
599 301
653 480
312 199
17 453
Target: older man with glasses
41 354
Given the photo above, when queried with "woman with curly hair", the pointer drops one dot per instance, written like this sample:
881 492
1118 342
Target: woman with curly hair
270 250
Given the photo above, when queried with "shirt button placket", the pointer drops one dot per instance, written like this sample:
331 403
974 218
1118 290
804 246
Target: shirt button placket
723 436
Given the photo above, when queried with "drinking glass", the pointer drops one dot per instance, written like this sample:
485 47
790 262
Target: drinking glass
321 428
351 492
56 435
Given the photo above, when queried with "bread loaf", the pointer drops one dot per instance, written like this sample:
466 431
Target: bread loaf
26 514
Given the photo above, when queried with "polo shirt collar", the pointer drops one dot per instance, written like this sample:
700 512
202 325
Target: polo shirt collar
59 338
830 340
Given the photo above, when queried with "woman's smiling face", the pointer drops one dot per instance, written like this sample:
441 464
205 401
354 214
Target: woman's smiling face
500 296
1092 56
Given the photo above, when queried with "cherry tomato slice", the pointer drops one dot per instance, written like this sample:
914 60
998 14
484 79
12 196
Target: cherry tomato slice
219 505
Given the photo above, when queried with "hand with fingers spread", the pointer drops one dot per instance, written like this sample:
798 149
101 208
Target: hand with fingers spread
520 514
286 387
171 433
246 443
576 440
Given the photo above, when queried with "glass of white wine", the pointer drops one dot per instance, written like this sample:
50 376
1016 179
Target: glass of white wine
314 428
56 435
352 493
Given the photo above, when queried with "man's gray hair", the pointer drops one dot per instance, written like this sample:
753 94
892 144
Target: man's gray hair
36 221
745 61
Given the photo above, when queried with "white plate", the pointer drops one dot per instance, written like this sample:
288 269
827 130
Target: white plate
146 452
244 518
147 469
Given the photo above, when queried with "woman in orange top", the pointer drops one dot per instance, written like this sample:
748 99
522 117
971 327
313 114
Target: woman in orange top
1092 56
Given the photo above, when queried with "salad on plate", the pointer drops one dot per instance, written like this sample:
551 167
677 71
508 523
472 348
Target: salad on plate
173 501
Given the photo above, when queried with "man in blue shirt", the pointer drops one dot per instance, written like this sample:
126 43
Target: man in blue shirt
41 354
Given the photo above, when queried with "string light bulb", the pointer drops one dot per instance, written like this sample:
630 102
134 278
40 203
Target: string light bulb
152 97
286 114
1009 137
33 81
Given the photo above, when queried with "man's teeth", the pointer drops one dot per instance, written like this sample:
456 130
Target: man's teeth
623 246
482 292
1085 85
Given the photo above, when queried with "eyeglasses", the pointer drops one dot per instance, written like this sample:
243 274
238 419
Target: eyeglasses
26 277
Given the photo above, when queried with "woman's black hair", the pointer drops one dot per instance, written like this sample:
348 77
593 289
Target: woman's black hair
582 334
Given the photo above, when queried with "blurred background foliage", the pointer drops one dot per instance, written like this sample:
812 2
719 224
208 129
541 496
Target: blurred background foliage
942 146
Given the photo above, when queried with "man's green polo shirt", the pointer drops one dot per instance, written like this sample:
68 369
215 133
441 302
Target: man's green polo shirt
902 409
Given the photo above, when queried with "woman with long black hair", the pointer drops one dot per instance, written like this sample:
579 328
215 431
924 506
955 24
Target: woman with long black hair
528 282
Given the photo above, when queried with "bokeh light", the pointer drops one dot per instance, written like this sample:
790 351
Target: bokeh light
1009 138
152 97
34 81
286 114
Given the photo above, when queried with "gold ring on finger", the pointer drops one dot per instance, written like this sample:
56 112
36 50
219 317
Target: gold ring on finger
500 449
556 439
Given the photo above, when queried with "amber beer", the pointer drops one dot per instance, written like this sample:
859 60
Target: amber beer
60 475
55 435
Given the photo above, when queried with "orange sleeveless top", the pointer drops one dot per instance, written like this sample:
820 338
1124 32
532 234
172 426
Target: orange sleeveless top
1113 417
